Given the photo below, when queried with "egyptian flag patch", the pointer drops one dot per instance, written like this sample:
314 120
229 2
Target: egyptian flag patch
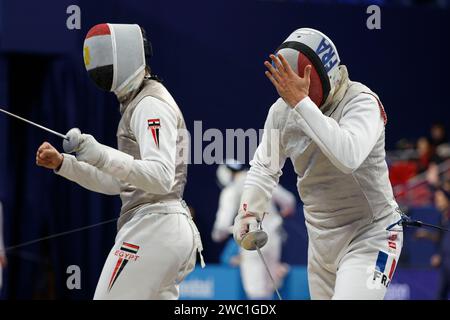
127 252
154 125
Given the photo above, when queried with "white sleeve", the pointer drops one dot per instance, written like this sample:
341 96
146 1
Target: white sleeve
265 171
284 198
88 176
227 210
347 143
154 125
2 244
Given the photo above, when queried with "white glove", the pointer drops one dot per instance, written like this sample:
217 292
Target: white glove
243 224
73 141
88 150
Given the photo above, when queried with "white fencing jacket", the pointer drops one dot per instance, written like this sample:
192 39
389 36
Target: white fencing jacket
339 158
152 132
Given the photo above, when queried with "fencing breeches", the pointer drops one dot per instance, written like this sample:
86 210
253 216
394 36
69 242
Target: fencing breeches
152 254
365 267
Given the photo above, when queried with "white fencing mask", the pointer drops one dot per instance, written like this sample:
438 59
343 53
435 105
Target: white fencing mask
308 46
114 56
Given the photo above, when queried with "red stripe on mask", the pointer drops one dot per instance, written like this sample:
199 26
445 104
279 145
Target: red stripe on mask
98 30
315 87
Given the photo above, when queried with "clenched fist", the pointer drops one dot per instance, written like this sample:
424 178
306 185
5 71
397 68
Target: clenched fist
48 157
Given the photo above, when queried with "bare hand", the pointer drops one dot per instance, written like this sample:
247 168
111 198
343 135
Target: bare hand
432 175
291 87
48 157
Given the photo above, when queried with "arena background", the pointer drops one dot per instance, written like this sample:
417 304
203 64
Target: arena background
210 55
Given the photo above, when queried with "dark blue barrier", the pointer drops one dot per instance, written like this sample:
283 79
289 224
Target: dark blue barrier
413 284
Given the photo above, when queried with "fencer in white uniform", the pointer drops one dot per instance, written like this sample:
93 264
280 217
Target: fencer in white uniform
157 241
333 131
3 259
256 281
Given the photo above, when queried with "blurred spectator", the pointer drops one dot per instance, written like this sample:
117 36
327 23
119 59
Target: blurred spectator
436 182
425 154
441 259
429 157
404 144
432 176
439 142
438 134
434 149
446 185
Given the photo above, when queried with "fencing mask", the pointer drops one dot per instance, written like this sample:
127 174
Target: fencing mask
115 56
225 171
307 46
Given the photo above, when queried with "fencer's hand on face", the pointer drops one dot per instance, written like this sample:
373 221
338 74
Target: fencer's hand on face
290 86
48 157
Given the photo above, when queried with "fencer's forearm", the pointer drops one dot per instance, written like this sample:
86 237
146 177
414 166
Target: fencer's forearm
258 189
88 176
255 200
347 143
265 170
263 179
152 176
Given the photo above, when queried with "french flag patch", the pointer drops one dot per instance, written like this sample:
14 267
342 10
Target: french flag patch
385 263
